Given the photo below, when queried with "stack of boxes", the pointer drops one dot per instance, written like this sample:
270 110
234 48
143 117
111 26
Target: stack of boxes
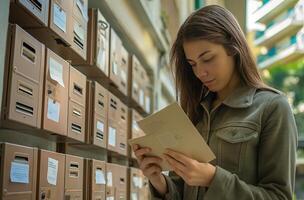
77 105
24 76
69 74
138 185
18 171
140 89
95 181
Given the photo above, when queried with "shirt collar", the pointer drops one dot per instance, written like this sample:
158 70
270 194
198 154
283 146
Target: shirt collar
241 97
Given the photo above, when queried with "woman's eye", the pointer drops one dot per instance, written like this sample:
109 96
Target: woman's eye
209 59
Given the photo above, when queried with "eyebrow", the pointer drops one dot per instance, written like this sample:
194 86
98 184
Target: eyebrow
200 55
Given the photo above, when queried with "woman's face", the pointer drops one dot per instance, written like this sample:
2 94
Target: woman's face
210 63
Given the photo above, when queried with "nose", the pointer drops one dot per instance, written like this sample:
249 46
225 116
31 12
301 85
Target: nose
201 72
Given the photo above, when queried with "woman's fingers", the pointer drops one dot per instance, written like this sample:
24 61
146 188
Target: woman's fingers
151 160
140 151
135 147
179 157
176 164
152 169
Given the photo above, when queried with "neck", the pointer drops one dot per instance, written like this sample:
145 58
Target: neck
233 83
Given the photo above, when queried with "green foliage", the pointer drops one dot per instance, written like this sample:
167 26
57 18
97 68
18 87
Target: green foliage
290 79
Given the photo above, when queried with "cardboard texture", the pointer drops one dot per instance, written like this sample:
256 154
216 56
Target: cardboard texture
51 175
77 105
29 13
79 26
98 49
95 185
115 58
116 181
74 178
97 114
23 78
120 181
79 44
171 128
102 43
147 93
18 172
139 185
60 20
145 190
135 130
122 138
113 122
56 92
80 9
124 71
135 82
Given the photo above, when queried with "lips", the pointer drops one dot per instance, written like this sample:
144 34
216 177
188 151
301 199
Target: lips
208 82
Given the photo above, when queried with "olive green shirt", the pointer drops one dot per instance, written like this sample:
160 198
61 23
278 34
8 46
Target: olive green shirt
254 137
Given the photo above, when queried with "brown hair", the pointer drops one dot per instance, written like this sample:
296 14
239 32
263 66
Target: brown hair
215 24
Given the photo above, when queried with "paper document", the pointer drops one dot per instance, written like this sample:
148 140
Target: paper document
100 177
171 128
52 171
60 17
19 172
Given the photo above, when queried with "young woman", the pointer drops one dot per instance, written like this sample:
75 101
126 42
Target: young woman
249 126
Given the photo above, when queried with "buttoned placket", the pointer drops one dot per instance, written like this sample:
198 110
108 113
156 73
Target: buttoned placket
208 133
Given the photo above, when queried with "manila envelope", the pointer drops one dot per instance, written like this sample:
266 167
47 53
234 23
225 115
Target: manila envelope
171 128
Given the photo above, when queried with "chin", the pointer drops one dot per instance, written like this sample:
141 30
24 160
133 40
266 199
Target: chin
213 88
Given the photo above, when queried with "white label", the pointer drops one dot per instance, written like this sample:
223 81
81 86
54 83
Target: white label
110 198
56 71
100 126
101 57
59 17
135 181
19 172
100 177
52 171
112 137
138 182
135 86
134 196
114 68
148 104
141 97
123 76
109 179
82 9
80 6
53 110
79 31
135 125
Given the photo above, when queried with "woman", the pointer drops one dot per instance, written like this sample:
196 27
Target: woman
248 125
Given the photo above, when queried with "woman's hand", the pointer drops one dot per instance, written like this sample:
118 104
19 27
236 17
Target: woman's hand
191 171
149 165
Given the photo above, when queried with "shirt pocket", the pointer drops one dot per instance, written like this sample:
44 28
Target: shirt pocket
232 142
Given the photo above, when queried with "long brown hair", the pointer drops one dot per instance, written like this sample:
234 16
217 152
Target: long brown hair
215 24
